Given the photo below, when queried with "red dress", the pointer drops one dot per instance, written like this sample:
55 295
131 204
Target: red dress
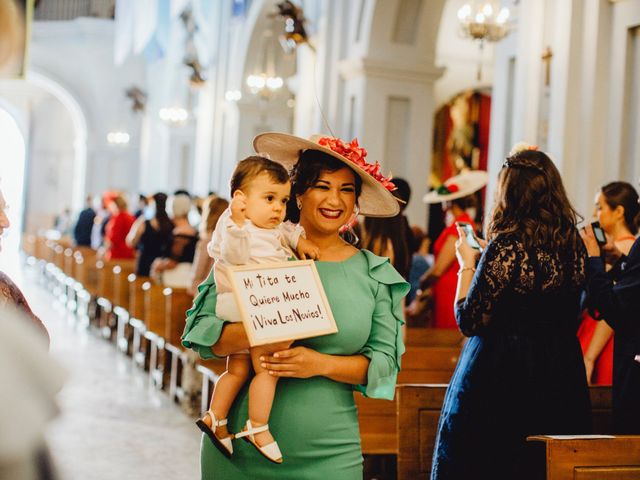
116 232
444 289
603 368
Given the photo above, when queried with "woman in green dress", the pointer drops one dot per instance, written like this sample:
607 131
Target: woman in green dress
314 416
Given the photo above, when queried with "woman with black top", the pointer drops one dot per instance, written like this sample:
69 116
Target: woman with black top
174 268
521 371
615 295
151 236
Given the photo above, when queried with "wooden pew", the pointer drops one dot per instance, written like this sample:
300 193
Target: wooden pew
124 331
428 364
177 302
154 318
434 337
415 412
139 345
588 458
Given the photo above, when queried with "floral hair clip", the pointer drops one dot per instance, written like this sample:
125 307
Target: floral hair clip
447 189
522 147
356 154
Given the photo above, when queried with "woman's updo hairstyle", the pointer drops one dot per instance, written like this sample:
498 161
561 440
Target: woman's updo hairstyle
623 194
310 165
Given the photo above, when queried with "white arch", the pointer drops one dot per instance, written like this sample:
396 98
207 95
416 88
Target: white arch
12 140
79 121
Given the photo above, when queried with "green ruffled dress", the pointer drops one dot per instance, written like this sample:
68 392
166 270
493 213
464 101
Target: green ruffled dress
315 420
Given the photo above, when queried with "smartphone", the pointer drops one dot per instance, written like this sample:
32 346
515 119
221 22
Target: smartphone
599 233
470 234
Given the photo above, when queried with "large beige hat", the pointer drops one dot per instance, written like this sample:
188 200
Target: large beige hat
459 186
375 200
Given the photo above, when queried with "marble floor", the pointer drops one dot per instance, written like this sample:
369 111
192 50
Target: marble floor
113 425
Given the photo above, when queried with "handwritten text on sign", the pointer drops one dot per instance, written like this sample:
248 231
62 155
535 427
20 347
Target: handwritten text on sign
282 301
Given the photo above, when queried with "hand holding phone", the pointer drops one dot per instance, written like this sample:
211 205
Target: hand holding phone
601 238
470 235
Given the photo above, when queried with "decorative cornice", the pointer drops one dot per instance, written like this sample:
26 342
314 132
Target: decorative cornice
367 67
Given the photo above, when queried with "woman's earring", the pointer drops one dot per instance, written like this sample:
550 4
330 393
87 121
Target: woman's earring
299 204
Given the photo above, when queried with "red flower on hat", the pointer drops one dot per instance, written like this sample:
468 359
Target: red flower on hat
453 188
356 154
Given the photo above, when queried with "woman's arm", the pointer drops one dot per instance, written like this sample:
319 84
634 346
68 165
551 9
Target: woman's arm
601 336
137 229
303 362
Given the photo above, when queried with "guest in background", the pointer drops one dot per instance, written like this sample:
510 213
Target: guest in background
403 192
117 229
421 261
520 373
615 295
142 205
616 204
151 234
63 222
387 237
84 224
439 282
10 294
212 208
175 269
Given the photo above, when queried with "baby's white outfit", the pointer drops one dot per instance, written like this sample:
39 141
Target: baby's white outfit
232 245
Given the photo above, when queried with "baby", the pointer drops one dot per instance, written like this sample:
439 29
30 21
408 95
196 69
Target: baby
250 231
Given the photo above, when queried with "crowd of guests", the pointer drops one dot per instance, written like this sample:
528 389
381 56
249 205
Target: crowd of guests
166 235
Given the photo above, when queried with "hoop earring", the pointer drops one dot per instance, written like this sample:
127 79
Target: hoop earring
298 204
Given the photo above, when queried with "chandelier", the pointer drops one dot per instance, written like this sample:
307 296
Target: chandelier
483 22
265 81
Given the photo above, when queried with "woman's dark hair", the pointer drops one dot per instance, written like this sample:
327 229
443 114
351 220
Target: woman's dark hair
212 208
164 222
310 165
465 202
623 194
249 168
379 232
532 204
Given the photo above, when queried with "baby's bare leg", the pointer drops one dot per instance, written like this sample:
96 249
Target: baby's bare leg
227 388
261 393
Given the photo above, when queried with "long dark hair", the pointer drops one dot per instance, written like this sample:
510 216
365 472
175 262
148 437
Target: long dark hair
379 232
164 222
623 194
305 173
532 204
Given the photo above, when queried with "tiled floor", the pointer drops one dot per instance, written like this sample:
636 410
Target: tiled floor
113 424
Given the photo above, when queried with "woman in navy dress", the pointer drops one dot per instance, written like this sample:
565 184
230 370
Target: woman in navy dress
521 371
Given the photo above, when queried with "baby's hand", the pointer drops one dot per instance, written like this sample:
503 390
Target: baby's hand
307 249
238 208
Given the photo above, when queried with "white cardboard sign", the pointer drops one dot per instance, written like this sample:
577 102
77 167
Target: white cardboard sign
281 301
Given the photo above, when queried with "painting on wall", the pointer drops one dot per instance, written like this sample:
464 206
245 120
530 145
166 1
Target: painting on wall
460 142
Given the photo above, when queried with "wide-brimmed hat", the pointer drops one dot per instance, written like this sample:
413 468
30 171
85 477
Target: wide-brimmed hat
375 200
457 187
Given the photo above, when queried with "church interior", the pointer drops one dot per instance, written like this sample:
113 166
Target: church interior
116 107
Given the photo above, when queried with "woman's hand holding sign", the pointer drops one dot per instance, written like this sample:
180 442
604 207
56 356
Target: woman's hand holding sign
297 362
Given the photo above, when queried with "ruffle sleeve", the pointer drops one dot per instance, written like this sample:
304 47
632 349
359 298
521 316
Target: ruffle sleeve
384 346
203 328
